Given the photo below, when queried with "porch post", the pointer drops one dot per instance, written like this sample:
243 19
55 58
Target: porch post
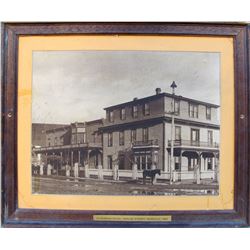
198 169
72 158
79 156
86 166
61 162
215 168
53 165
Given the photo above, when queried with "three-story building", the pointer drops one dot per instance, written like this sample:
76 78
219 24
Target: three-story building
139 132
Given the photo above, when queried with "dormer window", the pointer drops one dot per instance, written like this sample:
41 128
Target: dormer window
146 110
123 114
208 113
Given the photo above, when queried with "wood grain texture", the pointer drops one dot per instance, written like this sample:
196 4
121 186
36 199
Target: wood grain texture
14 217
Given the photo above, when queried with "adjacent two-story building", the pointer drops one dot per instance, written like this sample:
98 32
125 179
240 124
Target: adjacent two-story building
79 142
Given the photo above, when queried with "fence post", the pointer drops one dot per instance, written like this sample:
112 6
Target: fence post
100 172
41 169
86 169
174 176
67 170
198 175
49 167
76 170
153 166
115 173
134 172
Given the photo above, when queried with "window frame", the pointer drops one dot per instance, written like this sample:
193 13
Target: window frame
146 111
208 115
123 115
121 138
135 112
110 139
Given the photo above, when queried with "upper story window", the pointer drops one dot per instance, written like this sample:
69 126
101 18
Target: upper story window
193 110
210 137
121 138
145 134
176 107
208 113
110 139
177 133
111 116
135 111
133 135
95 137
123 114
146 110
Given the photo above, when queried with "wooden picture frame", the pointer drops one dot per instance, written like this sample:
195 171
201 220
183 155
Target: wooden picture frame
13 216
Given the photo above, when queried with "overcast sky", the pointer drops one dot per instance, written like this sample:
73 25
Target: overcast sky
71 86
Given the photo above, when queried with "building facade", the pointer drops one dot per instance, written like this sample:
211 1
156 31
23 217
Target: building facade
75 143
142 132
139 132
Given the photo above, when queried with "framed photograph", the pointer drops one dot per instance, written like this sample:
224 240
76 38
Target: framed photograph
125 125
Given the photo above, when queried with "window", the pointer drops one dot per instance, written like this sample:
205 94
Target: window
110 139
210 137
81 138
177 133
110 162
195 136
111 116
176 107
143 162
145 134
95 137
133 135
177 163
55 141
135 111
121 138
123 114
193 110
146 109
209 164
208 113
73 139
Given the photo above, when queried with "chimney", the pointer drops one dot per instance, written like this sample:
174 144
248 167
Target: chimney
135 99
158 91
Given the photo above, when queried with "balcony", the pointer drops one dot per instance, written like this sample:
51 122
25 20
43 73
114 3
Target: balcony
189 143
148 143
68 147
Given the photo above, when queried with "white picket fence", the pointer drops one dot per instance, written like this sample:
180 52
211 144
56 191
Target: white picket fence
119 174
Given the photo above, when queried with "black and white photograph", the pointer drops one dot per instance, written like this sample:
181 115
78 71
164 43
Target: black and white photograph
126 123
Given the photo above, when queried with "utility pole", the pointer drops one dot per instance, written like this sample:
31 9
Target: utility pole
173 86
